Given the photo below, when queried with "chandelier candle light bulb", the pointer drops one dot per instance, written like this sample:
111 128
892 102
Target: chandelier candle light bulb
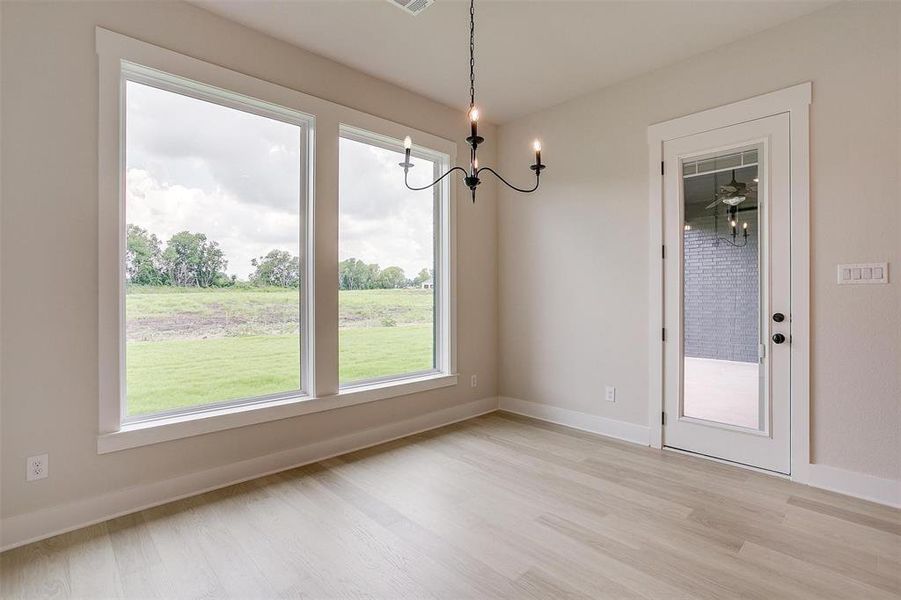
408 148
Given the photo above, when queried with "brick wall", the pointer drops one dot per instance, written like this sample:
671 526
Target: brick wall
721 293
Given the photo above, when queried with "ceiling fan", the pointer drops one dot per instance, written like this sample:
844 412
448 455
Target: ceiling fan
733 193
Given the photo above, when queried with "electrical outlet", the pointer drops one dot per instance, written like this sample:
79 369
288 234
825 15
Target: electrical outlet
37 467
611 393
474 381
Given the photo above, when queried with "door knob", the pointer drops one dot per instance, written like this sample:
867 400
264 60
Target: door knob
778 338
778 317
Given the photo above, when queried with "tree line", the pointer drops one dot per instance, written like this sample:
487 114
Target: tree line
193 260
355 274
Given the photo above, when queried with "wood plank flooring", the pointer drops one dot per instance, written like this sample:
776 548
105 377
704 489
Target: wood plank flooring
495 507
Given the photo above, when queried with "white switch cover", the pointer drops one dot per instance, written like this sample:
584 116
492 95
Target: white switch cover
611 393
862 274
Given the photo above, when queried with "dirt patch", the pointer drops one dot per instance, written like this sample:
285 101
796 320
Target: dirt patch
269 320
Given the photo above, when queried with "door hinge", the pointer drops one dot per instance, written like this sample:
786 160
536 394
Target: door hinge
663 252
663 334
663 418
662 168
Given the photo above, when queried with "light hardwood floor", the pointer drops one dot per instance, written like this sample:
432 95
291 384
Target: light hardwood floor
496 507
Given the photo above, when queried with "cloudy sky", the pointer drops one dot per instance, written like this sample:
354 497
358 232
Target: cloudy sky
196 166
380 220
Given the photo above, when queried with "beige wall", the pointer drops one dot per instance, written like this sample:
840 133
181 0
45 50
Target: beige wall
49 204
573 259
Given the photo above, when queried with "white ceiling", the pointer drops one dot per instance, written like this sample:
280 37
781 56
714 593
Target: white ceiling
529 54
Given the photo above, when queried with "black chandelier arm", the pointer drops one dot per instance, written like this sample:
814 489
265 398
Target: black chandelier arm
510 185
731 243
434 183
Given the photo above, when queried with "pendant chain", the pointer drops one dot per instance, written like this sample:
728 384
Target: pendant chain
472 54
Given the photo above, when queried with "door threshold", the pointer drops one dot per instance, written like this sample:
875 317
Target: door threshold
723 461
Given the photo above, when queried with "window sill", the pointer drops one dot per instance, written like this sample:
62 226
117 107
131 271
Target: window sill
145 433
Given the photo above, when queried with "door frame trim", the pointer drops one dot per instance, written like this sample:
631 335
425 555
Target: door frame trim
795 101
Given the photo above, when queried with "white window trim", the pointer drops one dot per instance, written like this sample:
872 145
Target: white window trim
320 376
144 433
442 267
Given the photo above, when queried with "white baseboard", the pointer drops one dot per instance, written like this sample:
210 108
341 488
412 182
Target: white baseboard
850 483
22 529
859 485
621 430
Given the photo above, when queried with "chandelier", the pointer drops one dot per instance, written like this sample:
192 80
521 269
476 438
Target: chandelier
471 177
731 195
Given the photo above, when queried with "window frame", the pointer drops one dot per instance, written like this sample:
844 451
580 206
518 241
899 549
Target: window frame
441 214
321 251
168 82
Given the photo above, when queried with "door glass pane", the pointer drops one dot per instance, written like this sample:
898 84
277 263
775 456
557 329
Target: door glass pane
721 291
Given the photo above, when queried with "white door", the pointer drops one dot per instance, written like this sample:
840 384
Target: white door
727 277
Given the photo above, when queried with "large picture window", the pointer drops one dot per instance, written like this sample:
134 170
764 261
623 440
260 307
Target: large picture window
213 247
213 235
389 275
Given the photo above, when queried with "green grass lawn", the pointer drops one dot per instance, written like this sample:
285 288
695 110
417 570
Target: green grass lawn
177 373
147 301
366 352
412 305
188 347
373 307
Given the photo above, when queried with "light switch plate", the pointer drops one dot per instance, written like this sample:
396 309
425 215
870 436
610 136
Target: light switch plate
610 393
862 273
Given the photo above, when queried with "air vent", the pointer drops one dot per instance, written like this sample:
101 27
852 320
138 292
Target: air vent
414 7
